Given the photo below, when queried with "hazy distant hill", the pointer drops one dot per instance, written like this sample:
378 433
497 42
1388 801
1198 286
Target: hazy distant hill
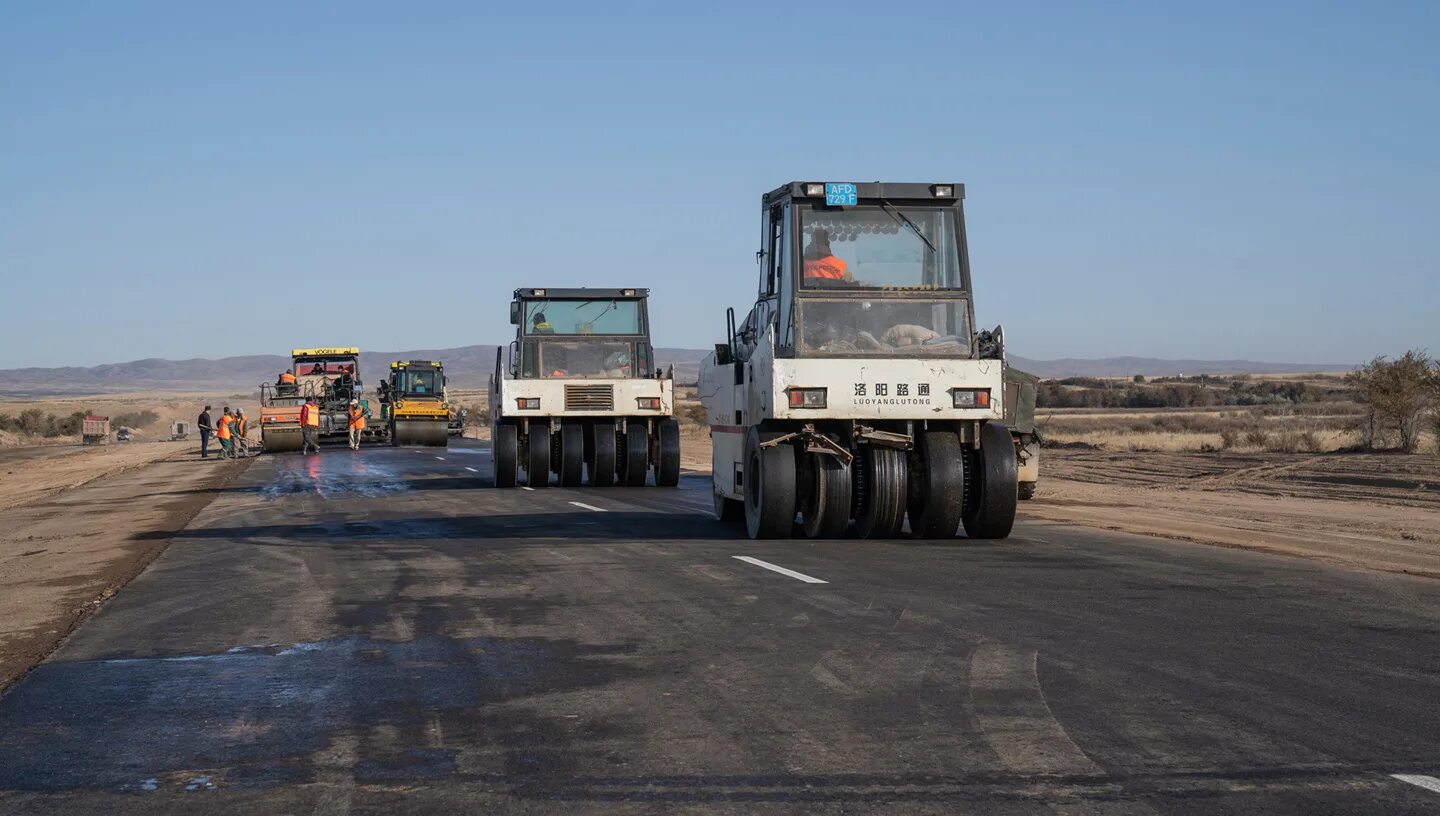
470 366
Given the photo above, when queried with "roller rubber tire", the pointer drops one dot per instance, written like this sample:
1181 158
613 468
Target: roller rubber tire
394 439
636 455
602 461
769 487
882 508
572 454
505 454
537 460
996 489
825 495
667 464
937 485
728 510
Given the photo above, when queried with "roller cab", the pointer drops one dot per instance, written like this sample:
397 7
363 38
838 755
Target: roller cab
576 394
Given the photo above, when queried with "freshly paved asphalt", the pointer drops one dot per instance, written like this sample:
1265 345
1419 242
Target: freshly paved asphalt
384 632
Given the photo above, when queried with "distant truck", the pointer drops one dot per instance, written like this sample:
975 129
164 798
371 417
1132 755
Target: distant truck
95 430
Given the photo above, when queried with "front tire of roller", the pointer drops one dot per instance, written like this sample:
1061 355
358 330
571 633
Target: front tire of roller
637 454
882 502
602 461
572 455
504 454
769 487
990 511
394 438
825 496
537 460
667 464
937 486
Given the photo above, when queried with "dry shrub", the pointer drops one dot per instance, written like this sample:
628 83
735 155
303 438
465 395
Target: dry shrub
1229 438
1283 442
1256 438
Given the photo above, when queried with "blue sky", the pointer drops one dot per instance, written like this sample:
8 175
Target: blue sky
1204 180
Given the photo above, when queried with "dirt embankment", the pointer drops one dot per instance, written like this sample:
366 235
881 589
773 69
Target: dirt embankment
1376 511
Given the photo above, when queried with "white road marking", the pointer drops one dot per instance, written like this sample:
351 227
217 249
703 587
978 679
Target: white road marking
441 458
590 507
1429 783
526 487
799 576
472 470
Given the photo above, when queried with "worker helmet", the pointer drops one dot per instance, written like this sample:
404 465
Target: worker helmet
354 402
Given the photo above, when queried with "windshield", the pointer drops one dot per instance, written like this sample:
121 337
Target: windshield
310 369
875 248
890 327
582 317
419 382
585 359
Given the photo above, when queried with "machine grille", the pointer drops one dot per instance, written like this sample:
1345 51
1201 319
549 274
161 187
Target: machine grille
589 398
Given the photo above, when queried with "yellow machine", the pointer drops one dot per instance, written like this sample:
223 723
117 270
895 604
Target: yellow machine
414 409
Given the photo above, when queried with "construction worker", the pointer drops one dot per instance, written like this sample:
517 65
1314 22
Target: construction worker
821 265
285 384
310 426
206 428
223 433
357 423
539 325
239 428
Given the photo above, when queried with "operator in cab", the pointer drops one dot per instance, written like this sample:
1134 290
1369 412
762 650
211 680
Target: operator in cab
821 265
539 325
285 385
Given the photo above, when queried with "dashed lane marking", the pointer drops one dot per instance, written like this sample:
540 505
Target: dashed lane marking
441 458
1429 783
526 487
590 507
799 576
472 470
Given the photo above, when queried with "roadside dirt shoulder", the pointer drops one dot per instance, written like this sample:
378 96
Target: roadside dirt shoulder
62 556
1371 511
33 472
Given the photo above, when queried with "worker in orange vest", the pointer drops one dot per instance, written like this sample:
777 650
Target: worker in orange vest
310 426
222 432
285 384
357 423
239 427
821 265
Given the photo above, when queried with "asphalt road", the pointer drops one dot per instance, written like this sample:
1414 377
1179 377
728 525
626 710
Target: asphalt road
383 632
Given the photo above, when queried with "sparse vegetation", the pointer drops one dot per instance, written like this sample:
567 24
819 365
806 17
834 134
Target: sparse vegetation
1397 394
35 422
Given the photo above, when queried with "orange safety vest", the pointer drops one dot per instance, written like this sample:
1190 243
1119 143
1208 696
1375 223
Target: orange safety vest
828 268
223 429
310 415
357 419
287 378
240 426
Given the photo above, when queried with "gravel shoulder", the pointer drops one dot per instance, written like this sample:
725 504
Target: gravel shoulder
1372 511
63 551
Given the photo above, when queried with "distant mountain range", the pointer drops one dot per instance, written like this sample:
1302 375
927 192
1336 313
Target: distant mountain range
470 367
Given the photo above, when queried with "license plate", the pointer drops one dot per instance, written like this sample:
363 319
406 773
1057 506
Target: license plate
841 195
